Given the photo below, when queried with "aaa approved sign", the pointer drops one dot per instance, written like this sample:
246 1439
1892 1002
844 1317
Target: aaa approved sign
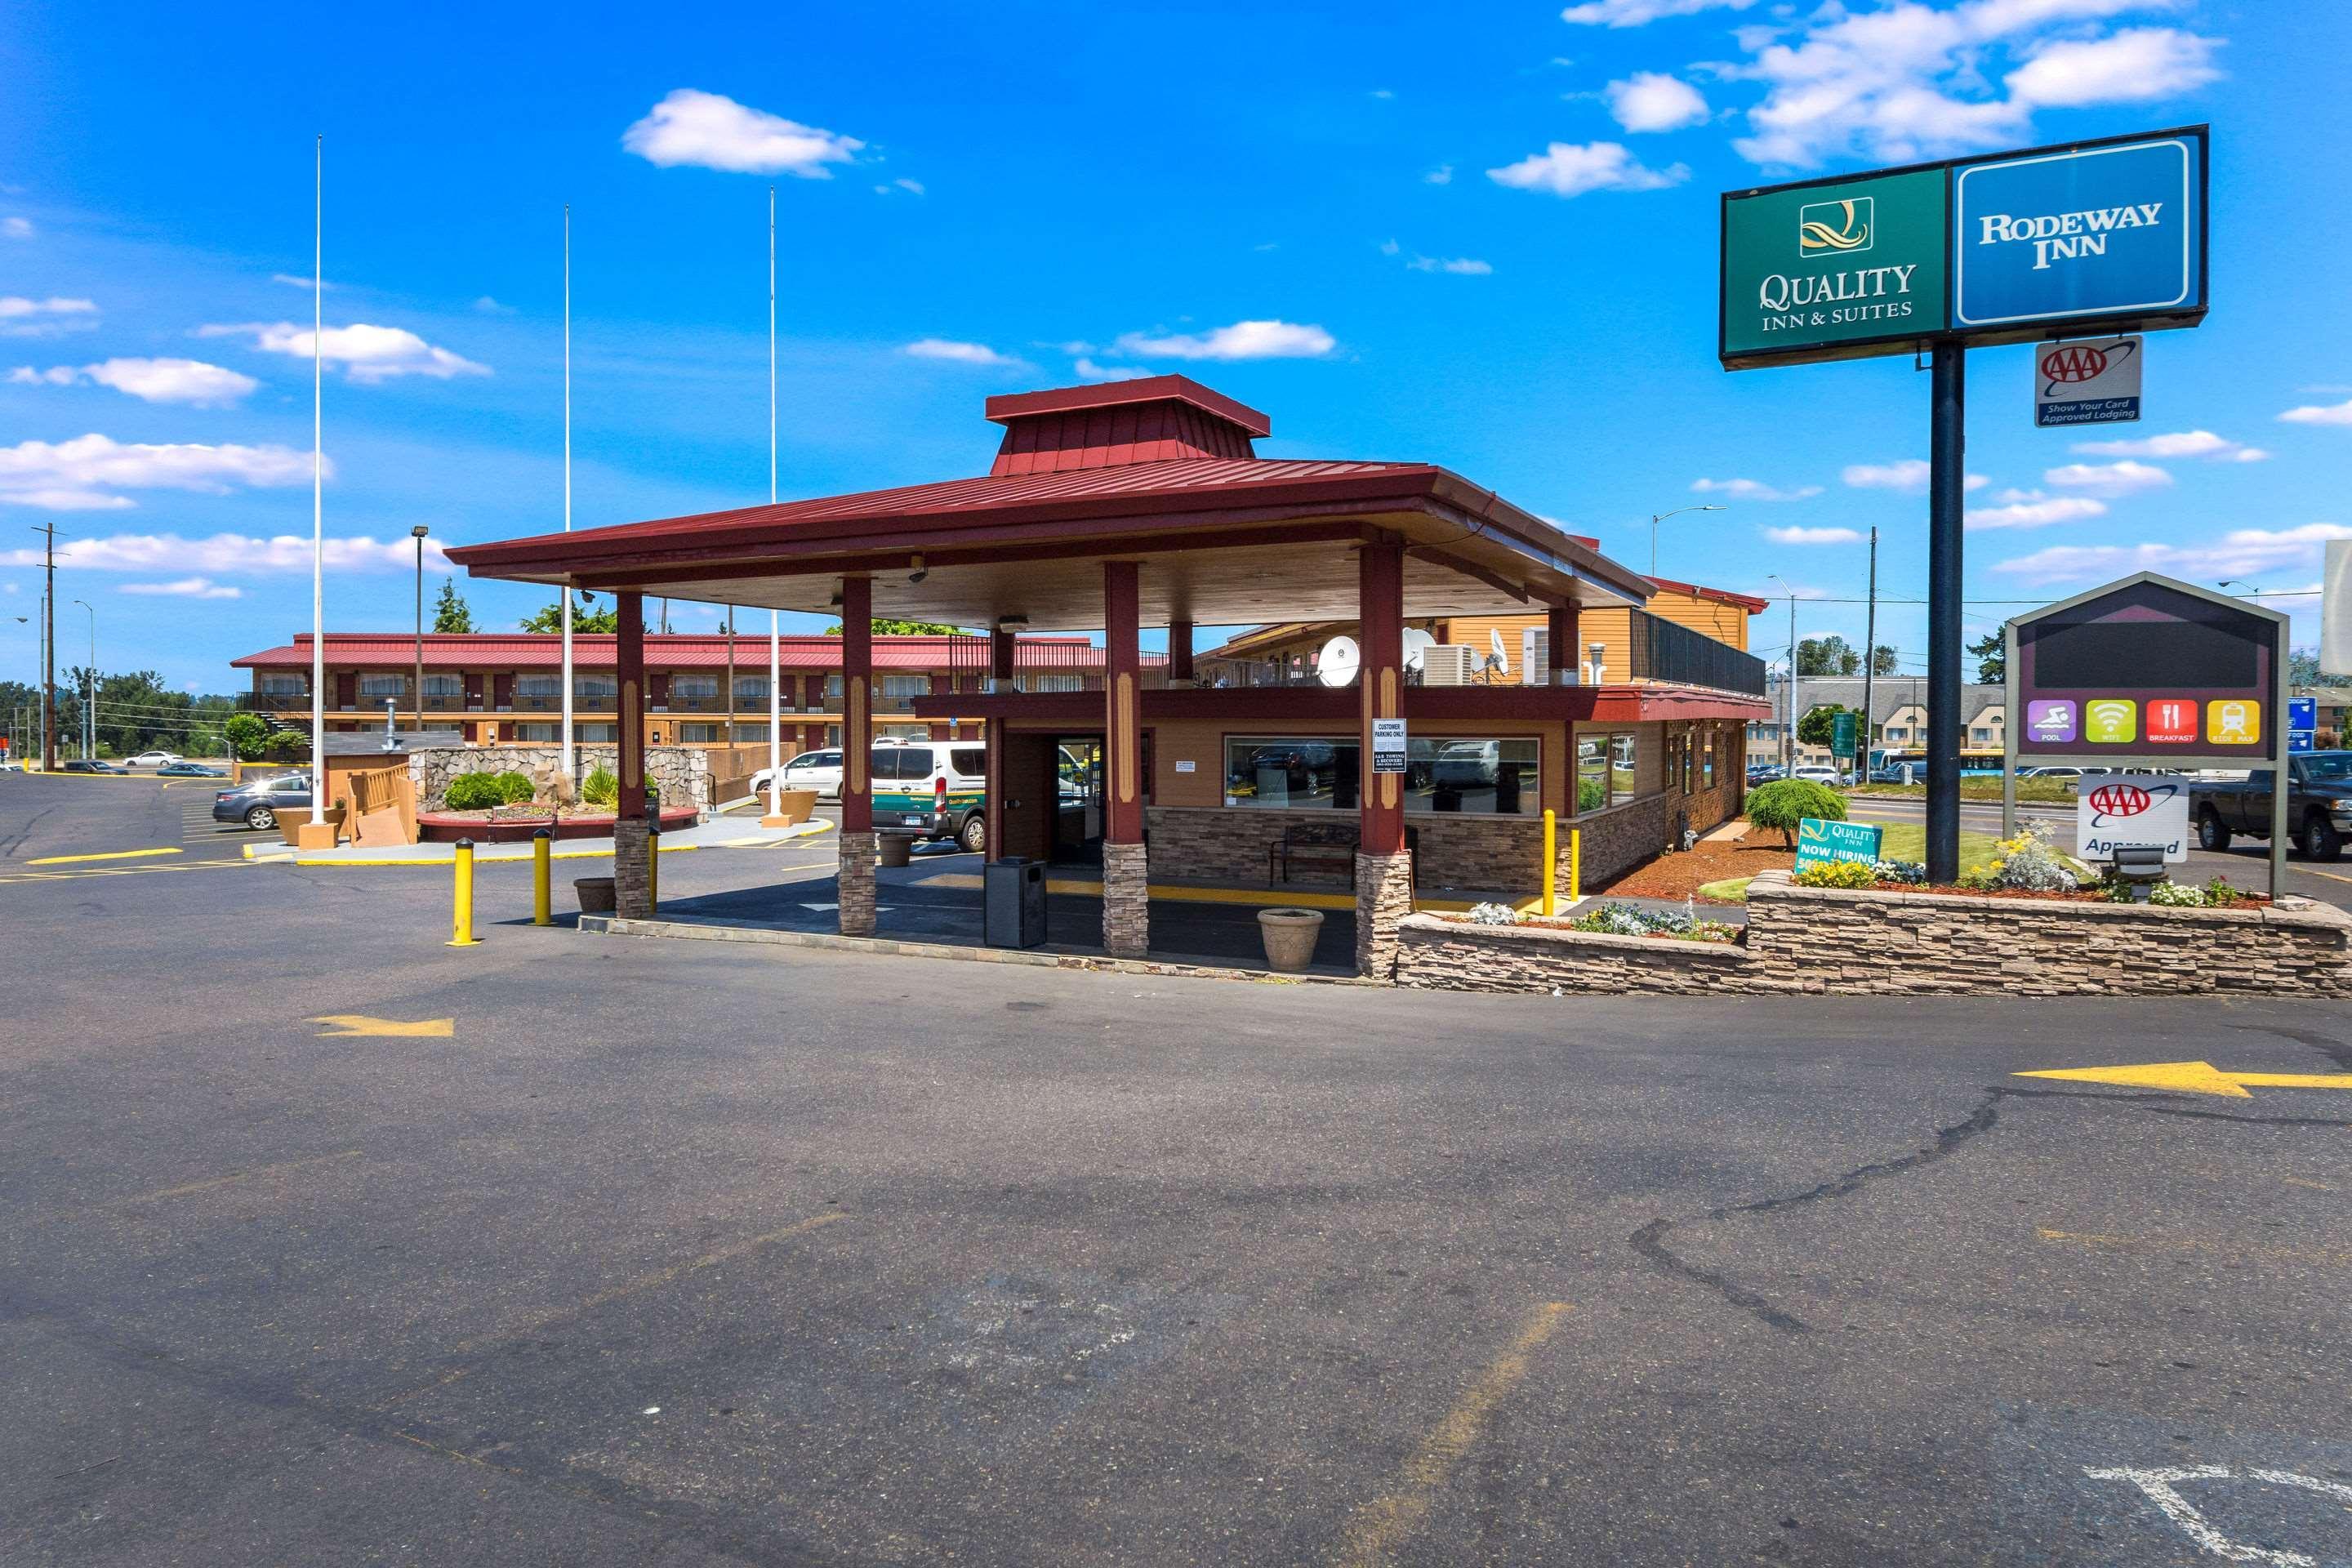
2114 811
2091 380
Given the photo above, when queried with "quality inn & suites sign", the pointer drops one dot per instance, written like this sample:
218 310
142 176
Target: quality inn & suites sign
1847 264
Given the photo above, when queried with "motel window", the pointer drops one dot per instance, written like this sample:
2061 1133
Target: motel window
1482 777
548 732
750 689
1604 769
693 686
593 688
1981 735
698 734
747 733
1707 759
905 686
284 686
380 687
542 686
832 687
592 734
1034 682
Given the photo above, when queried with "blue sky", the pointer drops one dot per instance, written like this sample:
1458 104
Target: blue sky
1481 235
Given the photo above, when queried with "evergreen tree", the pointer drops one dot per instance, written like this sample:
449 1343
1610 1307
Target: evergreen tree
450 612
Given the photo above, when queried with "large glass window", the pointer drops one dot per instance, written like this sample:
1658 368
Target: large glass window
445 686
1499 777
832 687
285 686
698 734
1604 769
592 689
592 734
1707 759
539 685
693 686
750 689
547 732
383 686
905 686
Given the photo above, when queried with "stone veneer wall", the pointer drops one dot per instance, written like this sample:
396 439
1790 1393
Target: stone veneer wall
1490 854
1908 944
682 773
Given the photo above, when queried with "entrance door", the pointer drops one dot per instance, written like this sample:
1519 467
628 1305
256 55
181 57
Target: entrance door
1078 786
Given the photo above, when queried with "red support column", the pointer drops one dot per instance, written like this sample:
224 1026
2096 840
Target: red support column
1000 660
1560 644
855 879
1383 866
632 846
1180 651
1127 877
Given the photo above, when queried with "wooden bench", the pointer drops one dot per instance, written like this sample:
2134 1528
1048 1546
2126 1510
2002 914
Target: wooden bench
1314 843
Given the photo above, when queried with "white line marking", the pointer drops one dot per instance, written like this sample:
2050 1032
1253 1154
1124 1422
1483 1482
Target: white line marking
2158 1485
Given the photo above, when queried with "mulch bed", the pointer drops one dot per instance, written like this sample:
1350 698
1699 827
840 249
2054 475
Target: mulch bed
1681 875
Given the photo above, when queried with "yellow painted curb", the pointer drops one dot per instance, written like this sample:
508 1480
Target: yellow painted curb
111 854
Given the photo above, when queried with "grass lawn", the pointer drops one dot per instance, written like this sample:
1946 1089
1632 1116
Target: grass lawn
1898 841
2047 792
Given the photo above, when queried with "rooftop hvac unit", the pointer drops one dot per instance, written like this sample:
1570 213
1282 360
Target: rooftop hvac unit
1450 664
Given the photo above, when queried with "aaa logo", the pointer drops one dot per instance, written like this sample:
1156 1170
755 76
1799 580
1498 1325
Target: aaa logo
1835 228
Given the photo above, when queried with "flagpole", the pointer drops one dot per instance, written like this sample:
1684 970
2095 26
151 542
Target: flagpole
317 485
563 590
775 621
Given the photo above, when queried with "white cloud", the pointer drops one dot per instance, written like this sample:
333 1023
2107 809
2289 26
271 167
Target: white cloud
1813 535
2134 66
1383 93
2182 444
1635 12
293 281
188 381
1907 81
1463 266
2327 413
962 354
2032 512
1752 489
1089 370
83 474
1568 169
916 186
2242 552
1909 476
24 318
2120 479
712 131
1654 101
1242 339
486 306
1441 176
367 353
17 228
185 588
235 554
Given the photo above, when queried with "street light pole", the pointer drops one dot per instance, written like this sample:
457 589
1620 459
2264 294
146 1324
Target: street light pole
90 689
1789 731
417 693
1658 516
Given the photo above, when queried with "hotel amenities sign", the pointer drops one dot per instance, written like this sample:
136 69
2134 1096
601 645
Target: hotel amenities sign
2104 237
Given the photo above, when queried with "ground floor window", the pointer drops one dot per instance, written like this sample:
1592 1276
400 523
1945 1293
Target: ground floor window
546 732
1707 759
1476 776
595 734
699 734
1605 769
747 733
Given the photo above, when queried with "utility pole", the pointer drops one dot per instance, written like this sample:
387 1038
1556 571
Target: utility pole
1789 730
416 694
1869 667
89 688
49 647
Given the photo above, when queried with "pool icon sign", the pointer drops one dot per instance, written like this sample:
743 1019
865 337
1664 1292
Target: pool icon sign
2050 719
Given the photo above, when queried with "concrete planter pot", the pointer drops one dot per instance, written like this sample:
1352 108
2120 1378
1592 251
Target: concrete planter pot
596 895
897 849
798 805
1289 936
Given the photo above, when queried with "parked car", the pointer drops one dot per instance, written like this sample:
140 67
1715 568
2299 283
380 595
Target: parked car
938 787
2319 805
11 765
1765 772
89 765
1467 764
154 759
179 770
1818 774
819 771
257 802
2050 772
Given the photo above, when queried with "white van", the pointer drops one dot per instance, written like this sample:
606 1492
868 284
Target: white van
939 788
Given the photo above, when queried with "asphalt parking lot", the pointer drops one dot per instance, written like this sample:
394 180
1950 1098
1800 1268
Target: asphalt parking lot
325 1243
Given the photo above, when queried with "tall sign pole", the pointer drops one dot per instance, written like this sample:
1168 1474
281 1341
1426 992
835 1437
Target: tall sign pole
1946 482
563 590
319 490
1869 664
775 621
49 647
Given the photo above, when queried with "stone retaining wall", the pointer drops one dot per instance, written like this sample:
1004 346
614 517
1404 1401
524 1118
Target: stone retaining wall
682 773
1909 944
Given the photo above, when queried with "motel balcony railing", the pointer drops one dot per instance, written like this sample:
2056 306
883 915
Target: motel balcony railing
1665 654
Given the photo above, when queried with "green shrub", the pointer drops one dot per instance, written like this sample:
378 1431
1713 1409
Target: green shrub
1591 795
514 788
1784 803
475 792
601 788
1839 874
286 746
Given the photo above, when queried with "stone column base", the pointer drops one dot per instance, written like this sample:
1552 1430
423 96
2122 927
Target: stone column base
1383 898
856 880
633 871
1127 900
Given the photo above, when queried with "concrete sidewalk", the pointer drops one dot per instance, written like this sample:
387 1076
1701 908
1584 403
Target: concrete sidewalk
716 833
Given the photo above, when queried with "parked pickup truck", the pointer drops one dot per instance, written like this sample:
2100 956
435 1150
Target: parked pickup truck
2319 805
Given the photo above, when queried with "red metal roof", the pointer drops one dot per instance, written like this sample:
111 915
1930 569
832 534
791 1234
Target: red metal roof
1006 407
529 650
1748 602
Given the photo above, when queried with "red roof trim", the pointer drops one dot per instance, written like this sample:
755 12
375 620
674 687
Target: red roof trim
1005 408
1748 602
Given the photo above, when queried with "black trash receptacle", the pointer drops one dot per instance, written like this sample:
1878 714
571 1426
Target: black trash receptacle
1014 902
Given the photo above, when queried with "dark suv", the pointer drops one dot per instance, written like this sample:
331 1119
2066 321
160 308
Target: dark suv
259 803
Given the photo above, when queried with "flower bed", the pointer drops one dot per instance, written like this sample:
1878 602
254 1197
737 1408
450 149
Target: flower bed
516 824
1610 919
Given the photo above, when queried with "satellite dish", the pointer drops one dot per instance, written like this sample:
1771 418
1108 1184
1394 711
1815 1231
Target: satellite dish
1416 644
1337 665
1498 661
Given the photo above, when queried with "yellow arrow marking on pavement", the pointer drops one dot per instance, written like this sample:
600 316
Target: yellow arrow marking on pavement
109 855
346 1025
2197 1078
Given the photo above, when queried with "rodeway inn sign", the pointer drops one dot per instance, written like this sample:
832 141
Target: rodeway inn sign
2102 236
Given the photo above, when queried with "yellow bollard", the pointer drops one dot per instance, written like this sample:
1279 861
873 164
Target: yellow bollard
462 925
1551 867
542 912
1575 864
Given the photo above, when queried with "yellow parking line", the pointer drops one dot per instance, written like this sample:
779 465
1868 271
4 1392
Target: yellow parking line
109 855
1377 1528
211 1181
2331 876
